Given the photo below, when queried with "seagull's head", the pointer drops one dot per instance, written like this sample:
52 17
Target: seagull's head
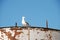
23 17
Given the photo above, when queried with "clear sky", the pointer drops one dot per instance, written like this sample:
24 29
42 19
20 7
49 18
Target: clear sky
35 11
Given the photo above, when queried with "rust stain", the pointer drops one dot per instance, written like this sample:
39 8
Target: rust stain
9 34
15 29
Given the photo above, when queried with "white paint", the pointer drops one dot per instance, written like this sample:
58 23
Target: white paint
34 34
11 31
18 30
3 36
56 35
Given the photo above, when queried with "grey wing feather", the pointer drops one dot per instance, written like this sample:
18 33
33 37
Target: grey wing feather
27 23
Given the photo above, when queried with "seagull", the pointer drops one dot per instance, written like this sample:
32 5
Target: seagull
24 23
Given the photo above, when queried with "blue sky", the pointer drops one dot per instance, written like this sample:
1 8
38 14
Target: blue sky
35 11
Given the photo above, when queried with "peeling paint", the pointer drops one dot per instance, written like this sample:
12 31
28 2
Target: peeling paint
29 34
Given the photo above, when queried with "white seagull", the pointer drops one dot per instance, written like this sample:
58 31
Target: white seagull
24 23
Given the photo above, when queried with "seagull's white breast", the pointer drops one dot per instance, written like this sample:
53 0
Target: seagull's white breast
23 22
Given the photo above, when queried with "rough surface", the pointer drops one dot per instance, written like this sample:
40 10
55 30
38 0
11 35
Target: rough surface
28 34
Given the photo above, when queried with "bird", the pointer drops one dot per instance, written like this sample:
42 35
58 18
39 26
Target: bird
24 23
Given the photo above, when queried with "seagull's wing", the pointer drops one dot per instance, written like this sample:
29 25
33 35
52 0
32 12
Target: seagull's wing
27 23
